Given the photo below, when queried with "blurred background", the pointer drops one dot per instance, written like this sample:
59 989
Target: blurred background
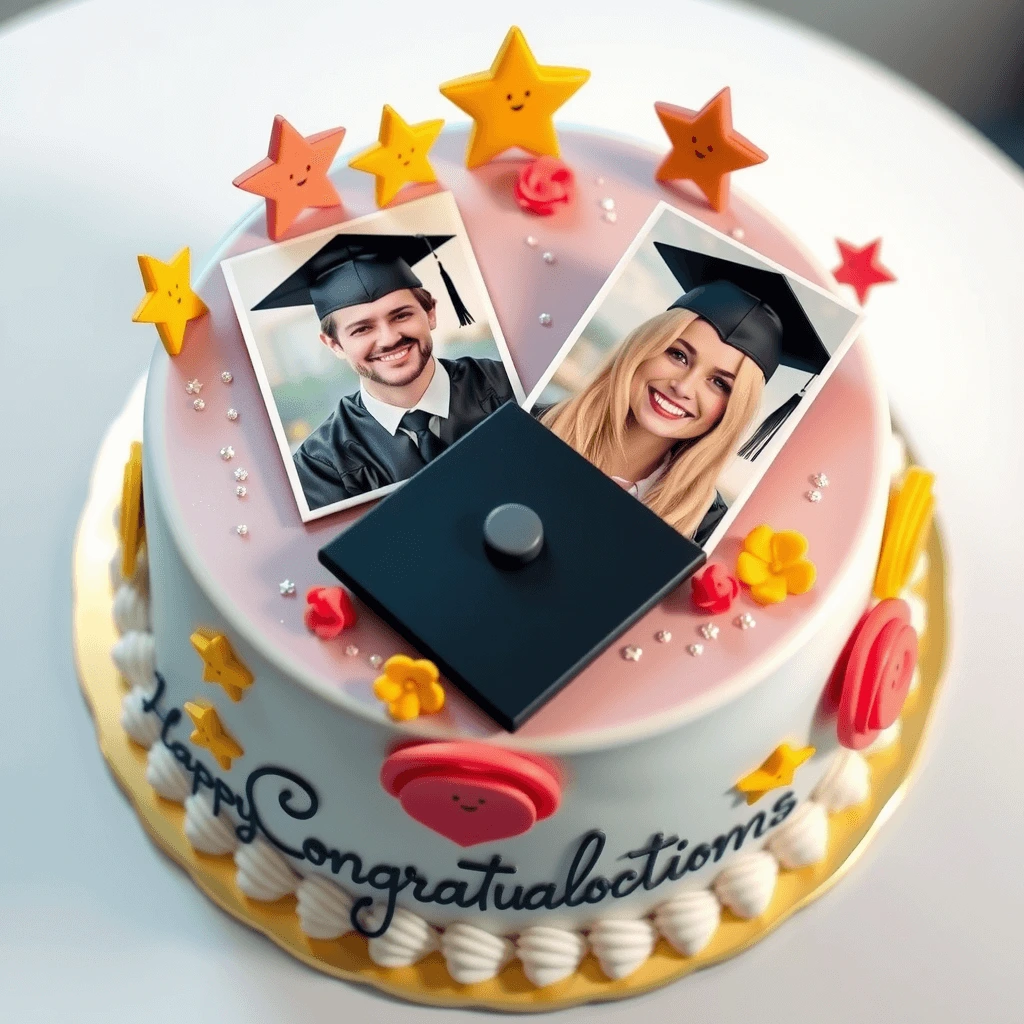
968 55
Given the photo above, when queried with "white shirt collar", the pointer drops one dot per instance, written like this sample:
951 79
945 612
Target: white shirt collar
435 400
641 488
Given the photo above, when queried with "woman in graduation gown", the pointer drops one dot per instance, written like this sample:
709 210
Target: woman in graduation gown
673 405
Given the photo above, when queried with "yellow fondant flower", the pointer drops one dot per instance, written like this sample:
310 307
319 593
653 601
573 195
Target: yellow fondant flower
773 564
409 687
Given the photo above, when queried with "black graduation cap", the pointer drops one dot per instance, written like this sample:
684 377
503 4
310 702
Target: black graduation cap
503 561
352 269
755 311
752 309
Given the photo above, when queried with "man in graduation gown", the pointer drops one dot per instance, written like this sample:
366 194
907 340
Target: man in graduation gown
375 314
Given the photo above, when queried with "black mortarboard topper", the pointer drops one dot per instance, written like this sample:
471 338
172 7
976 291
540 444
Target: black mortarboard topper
503 560
352 269
755 311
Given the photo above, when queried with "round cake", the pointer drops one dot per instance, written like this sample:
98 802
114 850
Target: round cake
655 795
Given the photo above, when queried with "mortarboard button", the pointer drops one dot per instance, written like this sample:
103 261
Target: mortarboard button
513 535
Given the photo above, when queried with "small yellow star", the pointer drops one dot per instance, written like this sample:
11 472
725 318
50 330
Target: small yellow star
513 103
132 526
210 733
776 771
220 663
170 302
400 157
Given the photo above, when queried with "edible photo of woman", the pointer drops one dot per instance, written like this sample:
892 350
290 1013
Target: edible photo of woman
690 369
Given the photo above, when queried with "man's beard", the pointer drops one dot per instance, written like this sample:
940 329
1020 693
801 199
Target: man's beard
423 346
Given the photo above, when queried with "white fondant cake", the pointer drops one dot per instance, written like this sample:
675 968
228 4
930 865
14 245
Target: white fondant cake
640 756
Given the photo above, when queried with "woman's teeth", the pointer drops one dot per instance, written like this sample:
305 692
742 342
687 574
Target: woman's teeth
670 408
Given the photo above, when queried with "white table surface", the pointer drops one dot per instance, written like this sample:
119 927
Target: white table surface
121 126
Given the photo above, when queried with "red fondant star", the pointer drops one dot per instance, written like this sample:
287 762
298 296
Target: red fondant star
294 174
860 268
706 148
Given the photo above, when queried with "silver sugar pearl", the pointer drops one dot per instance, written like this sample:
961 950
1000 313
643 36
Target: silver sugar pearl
663 636
193 387
608 204
813 496
351 651
227 452
745 621
738 234
226 377
242 530
611 216
696 649
709 631
232 415
632 653
240 474
545 319
548 257
241 491
531 240
819 480
287 588
375 660
199 405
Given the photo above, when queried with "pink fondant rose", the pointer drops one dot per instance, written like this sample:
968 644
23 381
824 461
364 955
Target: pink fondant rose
714 590
544 185
329 610
875 672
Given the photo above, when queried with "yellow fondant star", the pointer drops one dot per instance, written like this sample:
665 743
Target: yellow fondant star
170 302
220 663
776 771
132 526
210 733
513 103
400 157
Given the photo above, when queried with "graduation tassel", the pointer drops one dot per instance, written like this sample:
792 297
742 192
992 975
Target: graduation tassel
770 426
464 315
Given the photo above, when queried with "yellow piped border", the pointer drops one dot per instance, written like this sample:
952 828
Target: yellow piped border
428 981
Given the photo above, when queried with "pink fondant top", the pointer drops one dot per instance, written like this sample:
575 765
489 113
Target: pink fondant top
840 435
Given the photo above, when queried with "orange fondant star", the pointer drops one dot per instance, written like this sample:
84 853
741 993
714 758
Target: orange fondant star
220 663
170 302
514 102
132 526
705 147
861 268
210 733
294 174
776 771
400 157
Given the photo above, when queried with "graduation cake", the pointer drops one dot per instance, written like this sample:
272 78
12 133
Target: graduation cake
514 573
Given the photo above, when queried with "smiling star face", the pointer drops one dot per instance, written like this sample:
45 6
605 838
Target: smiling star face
517 100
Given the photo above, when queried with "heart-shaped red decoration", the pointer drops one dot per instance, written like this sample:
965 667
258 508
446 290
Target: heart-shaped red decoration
467 810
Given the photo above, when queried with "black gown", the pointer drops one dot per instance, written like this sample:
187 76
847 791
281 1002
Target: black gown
350 453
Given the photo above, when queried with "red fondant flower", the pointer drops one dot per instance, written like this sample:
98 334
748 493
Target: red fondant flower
875 670
329 610
714 590
544 185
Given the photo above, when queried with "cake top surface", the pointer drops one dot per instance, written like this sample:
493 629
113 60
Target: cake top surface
665 668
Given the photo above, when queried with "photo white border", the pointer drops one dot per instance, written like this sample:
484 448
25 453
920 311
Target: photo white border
775 446
360 225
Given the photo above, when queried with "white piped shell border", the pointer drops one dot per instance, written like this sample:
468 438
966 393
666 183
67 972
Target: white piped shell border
688 920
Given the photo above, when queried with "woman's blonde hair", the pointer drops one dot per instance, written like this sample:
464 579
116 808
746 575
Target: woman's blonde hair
594 423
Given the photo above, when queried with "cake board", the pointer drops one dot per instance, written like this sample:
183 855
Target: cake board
428 982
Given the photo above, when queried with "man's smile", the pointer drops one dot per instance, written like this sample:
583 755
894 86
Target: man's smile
393 355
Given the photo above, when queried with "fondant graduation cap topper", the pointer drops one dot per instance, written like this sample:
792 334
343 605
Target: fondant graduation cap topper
752 309
503 561
354 269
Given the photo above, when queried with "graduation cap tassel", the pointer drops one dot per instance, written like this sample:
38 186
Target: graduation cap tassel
770 426
464 315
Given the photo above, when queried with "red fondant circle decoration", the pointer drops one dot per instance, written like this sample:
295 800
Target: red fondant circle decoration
544 185
879 664
714 590
471 793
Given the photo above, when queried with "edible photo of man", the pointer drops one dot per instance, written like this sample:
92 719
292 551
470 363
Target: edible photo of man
688 372
375 345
